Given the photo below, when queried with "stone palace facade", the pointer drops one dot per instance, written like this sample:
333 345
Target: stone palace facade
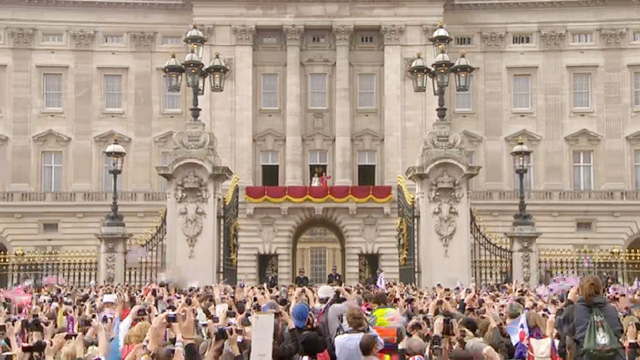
319 87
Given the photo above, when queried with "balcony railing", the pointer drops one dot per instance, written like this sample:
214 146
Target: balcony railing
81 197
557 195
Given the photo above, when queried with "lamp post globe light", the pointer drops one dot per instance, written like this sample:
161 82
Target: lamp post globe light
521 156
116 153
440 70
194 70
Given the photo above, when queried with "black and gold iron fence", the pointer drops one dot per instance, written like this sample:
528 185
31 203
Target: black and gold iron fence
621 264
78 268
146 254
491 259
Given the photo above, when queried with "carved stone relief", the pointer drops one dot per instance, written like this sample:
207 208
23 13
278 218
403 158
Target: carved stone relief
552 38
613 36
392 34
526 260
143 40
445 193
21 37
110 260
191 191
493 39
244 34
267 230
83 39
369 229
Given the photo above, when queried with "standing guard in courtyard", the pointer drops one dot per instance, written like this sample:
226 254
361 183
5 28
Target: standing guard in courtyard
334 278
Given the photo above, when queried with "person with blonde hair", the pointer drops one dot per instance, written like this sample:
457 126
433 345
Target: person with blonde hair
134 337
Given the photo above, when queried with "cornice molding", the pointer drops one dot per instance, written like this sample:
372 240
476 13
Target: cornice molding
367 139
269 139
139 4
525 4
472 138
634 138
163 138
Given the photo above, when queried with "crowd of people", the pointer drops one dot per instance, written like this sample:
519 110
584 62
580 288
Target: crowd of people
161 321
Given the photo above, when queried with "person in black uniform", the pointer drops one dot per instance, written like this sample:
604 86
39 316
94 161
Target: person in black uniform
334 278
301 280
272 280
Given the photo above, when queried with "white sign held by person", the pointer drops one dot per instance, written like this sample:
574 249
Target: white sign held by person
135 253
262 336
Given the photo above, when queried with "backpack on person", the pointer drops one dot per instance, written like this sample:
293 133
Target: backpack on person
600 343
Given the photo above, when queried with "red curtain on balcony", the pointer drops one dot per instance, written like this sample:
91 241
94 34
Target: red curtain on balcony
318 194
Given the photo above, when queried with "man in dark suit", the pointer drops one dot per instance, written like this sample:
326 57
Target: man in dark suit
301 279
272 280
334 278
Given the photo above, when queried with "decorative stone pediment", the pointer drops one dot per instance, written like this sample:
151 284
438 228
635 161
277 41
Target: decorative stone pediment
613 36
269 139
392 34
107 137
472 138
552 38
51 135
82 39
367 139
493 40
320 58
21 37
3 139
143 40
163 138
318 139
634 138
528 136
583 136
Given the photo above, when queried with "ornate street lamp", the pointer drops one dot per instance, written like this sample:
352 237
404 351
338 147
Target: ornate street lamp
441 69
117 153
194 71
521 156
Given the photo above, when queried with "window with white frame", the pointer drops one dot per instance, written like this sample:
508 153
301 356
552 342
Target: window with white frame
464 99
522 92
636 89
318 263
367 39
164 161
107 178
269 91
113 39
581 90
318 162
636 36
522 39
366 91
636 167
318 39
52 38
366 168
583 170
171 40
318 91
270 39
270 164
52 86
113 92
52 171
172 101
528 176
582 38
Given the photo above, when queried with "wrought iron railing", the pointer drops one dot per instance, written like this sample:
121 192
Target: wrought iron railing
490 262
146 254
78 268
622 264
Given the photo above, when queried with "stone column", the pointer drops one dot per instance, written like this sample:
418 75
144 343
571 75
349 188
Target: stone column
194 177
113 249
21 41
344 160
393 78
525 254
243 76
293 148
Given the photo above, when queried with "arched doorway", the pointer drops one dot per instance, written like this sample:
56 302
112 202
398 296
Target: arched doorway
317 246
